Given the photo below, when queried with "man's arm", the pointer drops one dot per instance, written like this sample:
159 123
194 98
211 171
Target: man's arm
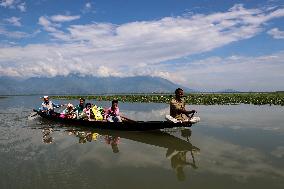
57 105
187 111
179 110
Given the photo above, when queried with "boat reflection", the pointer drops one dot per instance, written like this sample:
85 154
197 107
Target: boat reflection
179 151
177 148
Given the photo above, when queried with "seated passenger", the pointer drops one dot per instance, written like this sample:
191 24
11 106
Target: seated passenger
80 107
69 112
112 113
87 112
97 113
48 106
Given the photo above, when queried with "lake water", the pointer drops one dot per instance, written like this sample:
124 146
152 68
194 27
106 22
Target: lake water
240 146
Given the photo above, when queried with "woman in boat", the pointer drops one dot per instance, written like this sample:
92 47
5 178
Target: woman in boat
87 111
177 107
48 106
112 113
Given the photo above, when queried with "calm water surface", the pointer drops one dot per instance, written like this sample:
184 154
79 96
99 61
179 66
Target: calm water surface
238 146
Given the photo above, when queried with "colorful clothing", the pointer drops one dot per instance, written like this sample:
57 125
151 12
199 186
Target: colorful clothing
87 112
97 113
79 108
68 113
112 115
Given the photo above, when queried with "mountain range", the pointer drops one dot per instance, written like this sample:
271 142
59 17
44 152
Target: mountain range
75 84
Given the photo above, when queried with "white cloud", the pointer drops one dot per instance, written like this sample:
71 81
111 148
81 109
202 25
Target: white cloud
260 73
14 21
138 48
88 5
47 25
7 3
12 34
63 18
276 33
12 4
22 7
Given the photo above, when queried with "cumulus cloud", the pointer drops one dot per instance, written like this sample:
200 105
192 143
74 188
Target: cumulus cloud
12 34
63 18
47 25
12 4
234 160
244 73
22 7
140 48
276 33
14 21
7 3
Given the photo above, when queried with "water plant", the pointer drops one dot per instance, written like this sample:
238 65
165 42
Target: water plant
273 98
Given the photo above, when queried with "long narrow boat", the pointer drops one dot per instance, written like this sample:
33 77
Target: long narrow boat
126 125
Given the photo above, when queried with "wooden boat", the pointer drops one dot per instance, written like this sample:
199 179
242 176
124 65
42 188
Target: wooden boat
126 125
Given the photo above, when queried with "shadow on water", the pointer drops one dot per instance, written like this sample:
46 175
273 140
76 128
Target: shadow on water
180 152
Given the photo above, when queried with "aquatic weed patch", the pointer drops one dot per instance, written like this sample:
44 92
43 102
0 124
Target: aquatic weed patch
194 98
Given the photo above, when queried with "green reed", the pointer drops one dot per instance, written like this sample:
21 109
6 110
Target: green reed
194 98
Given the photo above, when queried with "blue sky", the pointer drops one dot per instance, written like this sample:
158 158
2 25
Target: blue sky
204 45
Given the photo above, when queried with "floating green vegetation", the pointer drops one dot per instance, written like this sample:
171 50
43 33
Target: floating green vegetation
195 98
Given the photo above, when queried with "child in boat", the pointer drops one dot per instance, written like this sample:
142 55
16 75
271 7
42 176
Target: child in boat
79 108
97 113
69 112
87 111
112 113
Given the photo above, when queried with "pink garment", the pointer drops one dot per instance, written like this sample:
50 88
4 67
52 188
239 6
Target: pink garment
110 112
62 115
87 111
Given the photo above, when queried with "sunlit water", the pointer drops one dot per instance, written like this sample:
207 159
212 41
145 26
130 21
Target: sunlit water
238 146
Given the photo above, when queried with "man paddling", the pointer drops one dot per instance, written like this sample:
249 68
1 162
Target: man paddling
177 107
48 106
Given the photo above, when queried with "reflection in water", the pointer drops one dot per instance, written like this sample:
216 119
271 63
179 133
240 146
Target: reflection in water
179 159
177 148
242 147
113 142
46 135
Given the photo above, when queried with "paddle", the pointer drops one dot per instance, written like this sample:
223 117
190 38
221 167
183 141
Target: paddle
35 113
130 120
191 116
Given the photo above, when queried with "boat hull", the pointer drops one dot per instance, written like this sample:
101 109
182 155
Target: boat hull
125 125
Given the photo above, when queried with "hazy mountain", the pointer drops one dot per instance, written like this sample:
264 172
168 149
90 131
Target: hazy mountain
74 84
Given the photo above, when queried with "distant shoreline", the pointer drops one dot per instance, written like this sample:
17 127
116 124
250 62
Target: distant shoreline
269 98
208 98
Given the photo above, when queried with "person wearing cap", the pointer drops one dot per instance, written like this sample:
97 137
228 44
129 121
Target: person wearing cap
177 107
48 106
